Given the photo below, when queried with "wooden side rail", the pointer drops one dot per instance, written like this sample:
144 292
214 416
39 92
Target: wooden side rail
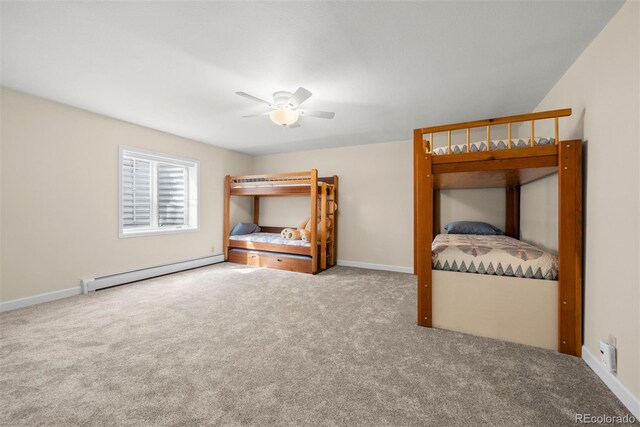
488 123
270 247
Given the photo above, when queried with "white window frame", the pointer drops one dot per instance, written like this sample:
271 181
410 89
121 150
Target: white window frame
193 192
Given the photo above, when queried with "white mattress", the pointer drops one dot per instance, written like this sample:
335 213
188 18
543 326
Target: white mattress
273 238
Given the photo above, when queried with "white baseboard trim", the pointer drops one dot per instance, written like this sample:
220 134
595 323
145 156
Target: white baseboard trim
626 397
92 284
106 281
38 299
384 267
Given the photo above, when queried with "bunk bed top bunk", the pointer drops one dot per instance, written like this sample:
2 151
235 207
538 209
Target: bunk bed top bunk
502 163
279 184
484 303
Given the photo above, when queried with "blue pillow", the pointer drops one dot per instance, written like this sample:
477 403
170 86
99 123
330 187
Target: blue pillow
244 228
473 227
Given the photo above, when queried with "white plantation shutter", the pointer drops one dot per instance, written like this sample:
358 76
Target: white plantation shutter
136 193
172 195
158 193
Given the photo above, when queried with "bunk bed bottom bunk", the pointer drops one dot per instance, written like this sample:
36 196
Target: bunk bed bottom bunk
269 249
496 287
499 255
524 311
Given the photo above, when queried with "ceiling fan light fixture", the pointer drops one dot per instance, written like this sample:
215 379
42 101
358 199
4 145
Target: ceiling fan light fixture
285 108
284 116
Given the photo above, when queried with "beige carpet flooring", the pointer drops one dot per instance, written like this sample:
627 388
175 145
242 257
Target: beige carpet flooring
233 345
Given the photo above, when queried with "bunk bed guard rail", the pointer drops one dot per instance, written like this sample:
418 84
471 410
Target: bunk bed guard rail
488 123
288 178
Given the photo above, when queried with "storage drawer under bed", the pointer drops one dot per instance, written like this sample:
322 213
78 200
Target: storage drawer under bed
271 260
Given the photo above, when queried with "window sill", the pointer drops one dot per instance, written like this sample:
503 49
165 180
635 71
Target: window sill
142 233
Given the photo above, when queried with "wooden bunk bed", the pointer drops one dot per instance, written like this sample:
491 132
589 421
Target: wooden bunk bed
305 258
559 307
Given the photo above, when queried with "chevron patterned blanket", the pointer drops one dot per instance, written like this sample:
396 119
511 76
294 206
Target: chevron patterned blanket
498 255
498 144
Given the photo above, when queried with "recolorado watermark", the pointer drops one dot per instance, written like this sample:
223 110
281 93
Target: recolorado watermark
604 419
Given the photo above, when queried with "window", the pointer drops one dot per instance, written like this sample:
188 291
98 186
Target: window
158 194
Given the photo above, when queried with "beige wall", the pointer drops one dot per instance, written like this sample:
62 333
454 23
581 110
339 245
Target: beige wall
603 88
375 211
60 197
486 205
376 199
60 217
539 213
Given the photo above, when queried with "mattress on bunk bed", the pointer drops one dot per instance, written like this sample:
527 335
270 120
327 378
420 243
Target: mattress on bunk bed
273 238
497 255
496 144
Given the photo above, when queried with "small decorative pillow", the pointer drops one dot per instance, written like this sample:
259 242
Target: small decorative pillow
244 228
473 227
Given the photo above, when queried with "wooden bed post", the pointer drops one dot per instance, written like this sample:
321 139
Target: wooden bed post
570 247
334 230
423 234
417 146
227 196
256 210
512 220
314 221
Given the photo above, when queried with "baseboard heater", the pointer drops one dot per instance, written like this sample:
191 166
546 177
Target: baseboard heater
94 283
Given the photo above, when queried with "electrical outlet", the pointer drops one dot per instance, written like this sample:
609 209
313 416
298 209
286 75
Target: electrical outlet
213 249
608 356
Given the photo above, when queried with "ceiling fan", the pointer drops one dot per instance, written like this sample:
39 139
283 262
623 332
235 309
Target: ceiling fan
285 108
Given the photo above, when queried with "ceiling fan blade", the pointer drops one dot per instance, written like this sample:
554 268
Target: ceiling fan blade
294 125
257 115
319 114
254 98
298 97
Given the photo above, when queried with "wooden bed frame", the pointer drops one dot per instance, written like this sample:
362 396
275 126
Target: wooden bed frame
509 169
323 196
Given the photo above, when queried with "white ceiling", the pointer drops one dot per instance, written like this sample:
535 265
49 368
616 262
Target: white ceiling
385 68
